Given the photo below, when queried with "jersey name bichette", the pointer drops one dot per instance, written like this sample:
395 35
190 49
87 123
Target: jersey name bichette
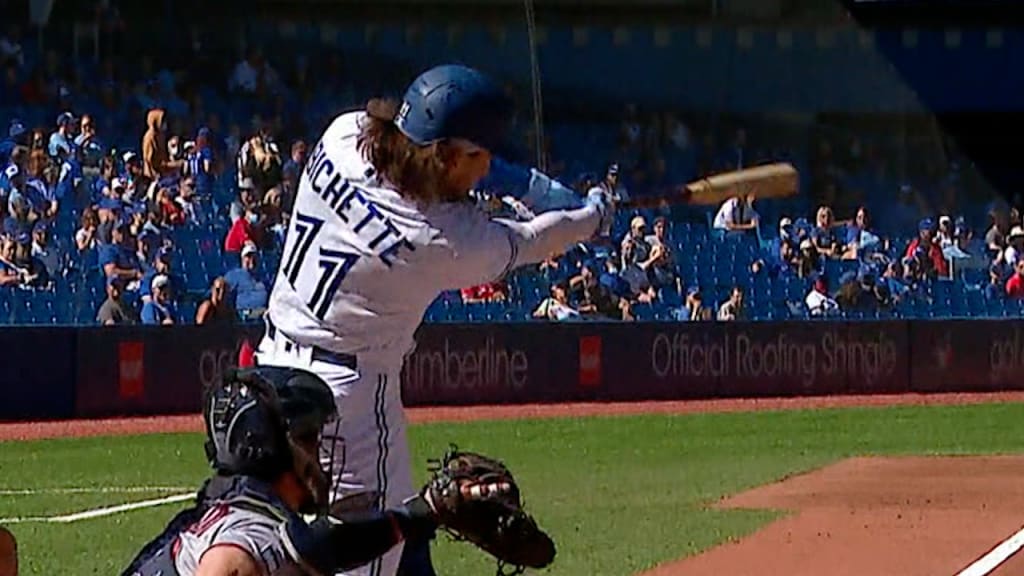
361 263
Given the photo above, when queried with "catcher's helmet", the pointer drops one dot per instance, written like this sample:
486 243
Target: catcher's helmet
265 421
453 101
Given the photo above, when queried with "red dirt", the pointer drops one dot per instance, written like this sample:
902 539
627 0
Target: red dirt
909 516
192 423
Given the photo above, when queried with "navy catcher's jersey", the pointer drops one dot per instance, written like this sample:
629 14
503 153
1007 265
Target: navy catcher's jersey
247 516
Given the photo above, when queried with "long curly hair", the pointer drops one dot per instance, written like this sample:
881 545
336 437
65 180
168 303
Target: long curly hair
418 172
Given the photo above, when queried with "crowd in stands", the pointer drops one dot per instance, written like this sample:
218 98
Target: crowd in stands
132 174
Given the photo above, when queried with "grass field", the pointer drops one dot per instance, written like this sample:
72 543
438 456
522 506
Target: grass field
619 494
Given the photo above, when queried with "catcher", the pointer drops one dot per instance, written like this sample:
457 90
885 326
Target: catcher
263 428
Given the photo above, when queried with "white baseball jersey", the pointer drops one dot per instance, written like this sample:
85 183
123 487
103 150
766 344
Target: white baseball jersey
360 266
362 263
254 528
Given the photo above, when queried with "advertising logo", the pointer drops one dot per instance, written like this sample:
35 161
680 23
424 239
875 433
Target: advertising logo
488 367
131 373
590 361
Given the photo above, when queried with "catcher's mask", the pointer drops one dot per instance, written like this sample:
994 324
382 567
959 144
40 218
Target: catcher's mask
266 421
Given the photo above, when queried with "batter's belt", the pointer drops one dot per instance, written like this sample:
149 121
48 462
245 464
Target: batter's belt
318 354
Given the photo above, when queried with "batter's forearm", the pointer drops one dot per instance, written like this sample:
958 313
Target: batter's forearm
552 232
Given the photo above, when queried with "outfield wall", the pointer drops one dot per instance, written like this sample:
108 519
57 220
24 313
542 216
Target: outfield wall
63 372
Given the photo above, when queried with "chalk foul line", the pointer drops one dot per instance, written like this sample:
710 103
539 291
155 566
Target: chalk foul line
93 490
995 556
100 512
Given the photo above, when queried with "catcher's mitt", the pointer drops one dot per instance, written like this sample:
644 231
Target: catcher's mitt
476 499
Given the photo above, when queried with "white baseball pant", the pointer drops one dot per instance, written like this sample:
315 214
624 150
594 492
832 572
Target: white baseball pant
366 449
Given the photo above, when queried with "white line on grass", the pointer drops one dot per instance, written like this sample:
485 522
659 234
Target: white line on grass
99 512
995 556
96 490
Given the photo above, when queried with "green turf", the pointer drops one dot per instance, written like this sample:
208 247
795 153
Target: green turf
619 494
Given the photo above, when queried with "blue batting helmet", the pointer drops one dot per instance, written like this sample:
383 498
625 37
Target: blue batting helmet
453 101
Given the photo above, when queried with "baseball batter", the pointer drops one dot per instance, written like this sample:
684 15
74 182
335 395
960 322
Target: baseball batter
382 224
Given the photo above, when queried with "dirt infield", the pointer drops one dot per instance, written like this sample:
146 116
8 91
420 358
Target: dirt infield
911 516
193 423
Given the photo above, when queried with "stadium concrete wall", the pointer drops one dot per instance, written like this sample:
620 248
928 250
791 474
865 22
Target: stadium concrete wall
64 372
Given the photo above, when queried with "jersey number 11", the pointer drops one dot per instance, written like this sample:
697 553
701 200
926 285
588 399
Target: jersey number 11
333 265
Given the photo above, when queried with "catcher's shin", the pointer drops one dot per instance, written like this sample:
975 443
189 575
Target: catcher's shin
475 498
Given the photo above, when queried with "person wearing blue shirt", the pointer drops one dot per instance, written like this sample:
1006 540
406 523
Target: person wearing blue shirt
249 292
16 136
200 164
160 310
118 258
62 140
162 263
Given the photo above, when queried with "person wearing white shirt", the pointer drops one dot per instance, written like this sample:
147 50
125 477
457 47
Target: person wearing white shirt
732 309
737 214
1015 247
819 302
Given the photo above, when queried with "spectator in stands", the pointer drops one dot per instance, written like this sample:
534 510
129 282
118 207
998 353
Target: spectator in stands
635 247
10 273
894 282
160 309
62 141
1015 284
86 133
175 151
259 160
489 292
860 238
115 311
292 171
118 257
41 196
101 185
217 308
85 236
42 251
246 230
945 235
595 299
249 293
693 309
732 309
246 198
662 271
995 237
156 159
737 215
807 261
551 269
189 203
137 181
935 263
8 545
17 136
20 220
201 164
556 306
997 280
1014 250
163 263
171 214
824 236
818 302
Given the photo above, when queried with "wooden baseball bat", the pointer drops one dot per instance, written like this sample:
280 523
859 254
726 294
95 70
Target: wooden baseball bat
779 180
